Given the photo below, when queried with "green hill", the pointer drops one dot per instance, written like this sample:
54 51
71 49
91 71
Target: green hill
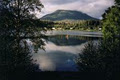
67 15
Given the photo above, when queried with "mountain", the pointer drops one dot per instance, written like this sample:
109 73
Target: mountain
67 15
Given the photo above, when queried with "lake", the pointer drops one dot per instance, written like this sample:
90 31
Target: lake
62 49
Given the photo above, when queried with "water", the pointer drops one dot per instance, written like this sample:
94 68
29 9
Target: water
79 33
61 50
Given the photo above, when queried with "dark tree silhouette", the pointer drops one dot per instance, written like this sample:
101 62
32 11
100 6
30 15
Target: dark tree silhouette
105 56
18 23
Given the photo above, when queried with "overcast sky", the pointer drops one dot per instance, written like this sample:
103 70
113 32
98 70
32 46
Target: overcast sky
94 8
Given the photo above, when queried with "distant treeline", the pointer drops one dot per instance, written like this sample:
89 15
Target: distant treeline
72 25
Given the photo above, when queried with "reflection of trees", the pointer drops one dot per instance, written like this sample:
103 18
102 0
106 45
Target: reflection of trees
70 40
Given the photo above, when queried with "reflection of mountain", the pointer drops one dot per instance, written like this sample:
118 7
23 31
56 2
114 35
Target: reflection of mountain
66 40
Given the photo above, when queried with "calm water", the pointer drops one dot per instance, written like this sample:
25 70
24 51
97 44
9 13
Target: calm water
61 50
78 33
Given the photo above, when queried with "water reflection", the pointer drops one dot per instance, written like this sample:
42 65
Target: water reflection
69 32
15 58
60 52
69 40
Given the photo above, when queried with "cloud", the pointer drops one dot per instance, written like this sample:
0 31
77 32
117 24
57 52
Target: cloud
57 56
69 49
45 62
94 8
58 2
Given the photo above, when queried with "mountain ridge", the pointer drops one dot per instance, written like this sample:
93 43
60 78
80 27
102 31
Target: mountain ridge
59 15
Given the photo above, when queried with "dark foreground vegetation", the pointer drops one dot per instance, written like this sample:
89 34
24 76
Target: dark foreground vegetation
61 76
105 55
17 24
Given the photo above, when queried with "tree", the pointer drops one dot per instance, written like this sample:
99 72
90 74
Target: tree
17 15
111 23
17 23
117 2
90 58
105 56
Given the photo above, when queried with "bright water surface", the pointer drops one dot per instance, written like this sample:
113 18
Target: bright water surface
62 48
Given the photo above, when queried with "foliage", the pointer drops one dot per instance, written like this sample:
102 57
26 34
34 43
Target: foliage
78 25
16 16
111 22
117 2
105 56
90 58
94 25
17 24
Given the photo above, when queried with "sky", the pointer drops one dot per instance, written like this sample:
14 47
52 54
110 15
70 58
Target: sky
94 8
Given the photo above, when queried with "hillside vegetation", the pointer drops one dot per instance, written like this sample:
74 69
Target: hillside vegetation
67 15
87 25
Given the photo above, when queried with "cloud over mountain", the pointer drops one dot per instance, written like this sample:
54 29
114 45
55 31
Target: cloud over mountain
93 8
